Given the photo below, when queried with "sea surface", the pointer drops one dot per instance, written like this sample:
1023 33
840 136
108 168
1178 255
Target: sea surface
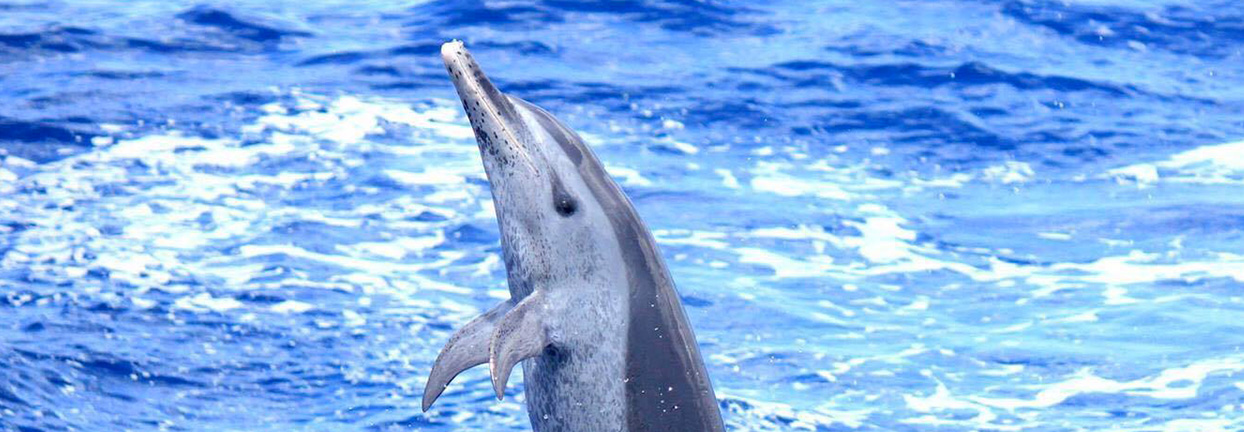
882 216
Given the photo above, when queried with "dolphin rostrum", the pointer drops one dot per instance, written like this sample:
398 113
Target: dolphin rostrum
593 316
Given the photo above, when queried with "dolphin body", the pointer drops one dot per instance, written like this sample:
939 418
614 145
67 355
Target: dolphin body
593 315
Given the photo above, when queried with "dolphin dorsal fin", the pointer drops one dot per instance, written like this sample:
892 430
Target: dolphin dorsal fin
520 335
467 348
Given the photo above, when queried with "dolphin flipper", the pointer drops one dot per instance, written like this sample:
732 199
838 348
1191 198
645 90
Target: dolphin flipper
466 349
519 336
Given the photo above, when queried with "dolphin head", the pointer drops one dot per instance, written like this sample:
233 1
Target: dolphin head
546 210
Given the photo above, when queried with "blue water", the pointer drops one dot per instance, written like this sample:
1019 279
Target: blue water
937 215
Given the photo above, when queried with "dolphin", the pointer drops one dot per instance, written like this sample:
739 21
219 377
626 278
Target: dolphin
593 316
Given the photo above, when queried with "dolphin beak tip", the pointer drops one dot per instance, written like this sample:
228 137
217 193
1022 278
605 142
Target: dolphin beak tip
451 49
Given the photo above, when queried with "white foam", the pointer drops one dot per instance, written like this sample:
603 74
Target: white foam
705 239
956 180
683 147
1090 316
1054 236
769 177
179 199
1142 175
882 238
627 176
1140 267
348 120
204 302
427 178
671 124
1009 172
767 415
1229 155
942 400
291 307
1175 383
1211 164
814 266
1202 425
727 178
786 185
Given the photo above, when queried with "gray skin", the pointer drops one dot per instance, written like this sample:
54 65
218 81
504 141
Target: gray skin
593 317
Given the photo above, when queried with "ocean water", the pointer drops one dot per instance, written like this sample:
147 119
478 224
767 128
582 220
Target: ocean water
904 216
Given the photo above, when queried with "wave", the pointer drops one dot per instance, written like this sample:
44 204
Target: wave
1203 30
1219 164
246 29
212 30
804 73
702 18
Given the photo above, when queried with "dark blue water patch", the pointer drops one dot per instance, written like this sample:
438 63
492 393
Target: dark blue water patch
976 73
245 98
240 35
388 71
10 400
107 366
53 39
742 113
1203 30
20 297
41 131
842 104
919 125
1216 391
410 83
686 16
697 17
231 24
313 236
265 297
16 227
462 13
55 100
23 6
110 308
869 45
61 40
413 422
695 302
176 45
428 216
1048 360
814 73
1094 399
124 75
386 182
422 50
528 48
336 58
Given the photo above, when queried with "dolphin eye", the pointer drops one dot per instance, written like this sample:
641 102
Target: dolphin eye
563 202
565 205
